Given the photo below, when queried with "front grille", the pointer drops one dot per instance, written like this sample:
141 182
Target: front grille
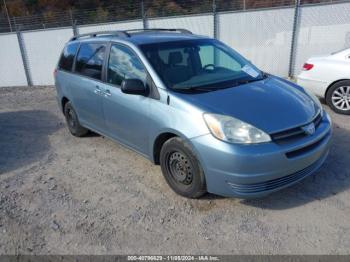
278 182
306 149
294 133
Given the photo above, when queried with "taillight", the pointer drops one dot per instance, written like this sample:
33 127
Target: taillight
54 73
307 66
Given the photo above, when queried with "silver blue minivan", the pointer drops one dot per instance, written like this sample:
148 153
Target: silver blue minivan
211 119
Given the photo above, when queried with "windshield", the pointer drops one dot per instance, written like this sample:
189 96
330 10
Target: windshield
204 64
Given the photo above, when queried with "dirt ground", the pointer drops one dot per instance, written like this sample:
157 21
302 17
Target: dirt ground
65 195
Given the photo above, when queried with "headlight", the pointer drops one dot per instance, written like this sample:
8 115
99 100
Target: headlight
233 130
315 99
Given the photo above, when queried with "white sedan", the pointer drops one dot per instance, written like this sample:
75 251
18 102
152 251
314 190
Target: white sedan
329 77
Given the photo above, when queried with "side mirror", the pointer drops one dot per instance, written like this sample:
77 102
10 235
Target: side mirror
134 87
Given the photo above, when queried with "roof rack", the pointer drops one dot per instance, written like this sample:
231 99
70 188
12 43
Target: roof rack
180 30
94 34
126 33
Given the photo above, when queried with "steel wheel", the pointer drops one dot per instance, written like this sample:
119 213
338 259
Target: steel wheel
341 98
71 119
180 168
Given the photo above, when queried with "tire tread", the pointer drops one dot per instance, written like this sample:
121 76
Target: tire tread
79 130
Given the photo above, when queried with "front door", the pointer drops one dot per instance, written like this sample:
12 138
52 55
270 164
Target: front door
126 115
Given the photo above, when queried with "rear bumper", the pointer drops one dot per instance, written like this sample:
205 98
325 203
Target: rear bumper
247 171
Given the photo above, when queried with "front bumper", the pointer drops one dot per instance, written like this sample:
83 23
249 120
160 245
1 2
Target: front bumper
247 171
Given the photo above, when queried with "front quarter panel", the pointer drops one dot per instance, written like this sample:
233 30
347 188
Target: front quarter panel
177 117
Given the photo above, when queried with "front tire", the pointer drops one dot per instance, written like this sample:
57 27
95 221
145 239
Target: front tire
338 97
181 169
73 122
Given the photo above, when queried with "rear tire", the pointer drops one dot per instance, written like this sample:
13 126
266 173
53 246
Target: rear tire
181 169
338 97
73 122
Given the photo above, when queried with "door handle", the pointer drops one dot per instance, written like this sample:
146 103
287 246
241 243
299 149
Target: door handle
107 93
97 91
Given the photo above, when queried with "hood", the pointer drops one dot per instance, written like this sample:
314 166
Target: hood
271 105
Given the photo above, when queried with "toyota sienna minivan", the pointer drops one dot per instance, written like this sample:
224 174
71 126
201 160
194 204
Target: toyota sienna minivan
211 119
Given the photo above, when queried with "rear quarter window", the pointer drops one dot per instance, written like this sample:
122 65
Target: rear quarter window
67 57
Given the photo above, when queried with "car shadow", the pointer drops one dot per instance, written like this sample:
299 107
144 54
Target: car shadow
24 137
91 134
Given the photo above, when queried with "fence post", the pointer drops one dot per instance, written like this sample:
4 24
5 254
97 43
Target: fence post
73 23
24 57
294 39
15 23
143 14
7 14
215 20
75 28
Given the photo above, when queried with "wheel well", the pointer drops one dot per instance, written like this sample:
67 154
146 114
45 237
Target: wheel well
64 102
333 84
160 140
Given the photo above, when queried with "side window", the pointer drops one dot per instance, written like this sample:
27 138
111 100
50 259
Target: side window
90 60
67 57
124 64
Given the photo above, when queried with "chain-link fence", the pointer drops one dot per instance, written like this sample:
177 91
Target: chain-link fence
276 35
135 9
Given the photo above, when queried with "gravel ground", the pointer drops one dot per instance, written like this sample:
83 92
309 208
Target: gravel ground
65 195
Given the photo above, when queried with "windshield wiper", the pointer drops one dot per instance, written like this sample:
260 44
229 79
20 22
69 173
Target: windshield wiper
263 76
229 84
196 88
